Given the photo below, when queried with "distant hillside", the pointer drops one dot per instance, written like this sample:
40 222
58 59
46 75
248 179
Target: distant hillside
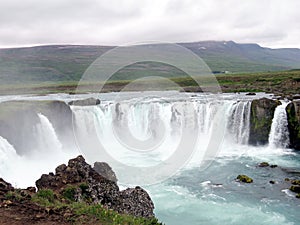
68 62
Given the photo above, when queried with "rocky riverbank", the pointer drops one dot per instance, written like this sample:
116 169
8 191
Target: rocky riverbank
76 194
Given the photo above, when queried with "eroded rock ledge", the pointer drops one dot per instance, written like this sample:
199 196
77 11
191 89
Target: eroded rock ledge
262 113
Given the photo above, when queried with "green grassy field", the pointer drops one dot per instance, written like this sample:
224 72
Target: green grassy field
282 83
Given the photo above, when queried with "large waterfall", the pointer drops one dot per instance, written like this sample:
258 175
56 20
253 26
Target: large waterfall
147 130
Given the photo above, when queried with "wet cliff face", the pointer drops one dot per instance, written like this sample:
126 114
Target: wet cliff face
262 113
18 121
293 115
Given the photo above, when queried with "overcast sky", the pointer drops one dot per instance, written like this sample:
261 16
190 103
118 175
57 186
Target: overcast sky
271 23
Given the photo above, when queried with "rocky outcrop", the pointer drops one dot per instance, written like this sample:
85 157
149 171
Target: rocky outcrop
78 181
105 170
130 197
293 116
5 187
262 112
21 117
85 102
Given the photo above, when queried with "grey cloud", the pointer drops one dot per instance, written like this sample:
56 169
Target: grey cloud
31 22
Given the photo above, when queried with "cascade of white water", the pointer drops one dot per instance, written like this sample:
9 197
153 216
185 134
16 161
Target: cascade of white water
8 159
279 134
46 137
239 121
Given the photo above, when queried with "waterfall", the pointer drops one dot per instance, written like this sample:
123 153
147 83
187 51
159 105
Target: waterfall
239 121
139 117
8 158
117 126
279 134
46 137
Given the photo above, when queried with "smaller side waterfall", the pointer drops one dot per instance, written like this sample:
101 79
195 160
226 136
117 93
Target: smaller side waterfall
46 136
7 151
8 156
279 134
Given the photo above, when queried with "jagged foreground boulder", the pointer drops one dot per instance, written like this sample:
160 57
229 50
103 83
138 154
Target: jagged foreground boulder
80 182
5 187
105 170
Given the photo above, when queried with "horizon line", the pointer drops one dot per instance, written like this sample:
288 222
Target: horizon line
108 45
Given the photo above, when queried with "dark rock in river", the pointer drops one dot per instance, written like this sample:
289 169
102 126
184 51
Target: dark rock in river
295 182
264 164
295 189
85 102
262 112
78 181
293 116
251 93
244 179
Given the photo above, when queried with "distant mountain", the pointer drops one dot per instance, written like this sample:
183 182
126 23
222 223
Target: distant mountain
68 62
234 57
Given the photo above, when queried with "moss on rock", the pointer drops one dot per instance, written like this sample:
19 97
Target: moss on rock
295 188
293 116
262 112
244 179
264 164
295 182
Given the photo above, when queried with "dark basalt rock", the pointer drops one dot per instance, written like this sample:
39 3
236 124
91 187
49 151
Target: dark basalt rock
293 116
251 93
136 200
5 187
244 179
78 181
85 102
264 164
262 112
295 189
105 170
295 182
